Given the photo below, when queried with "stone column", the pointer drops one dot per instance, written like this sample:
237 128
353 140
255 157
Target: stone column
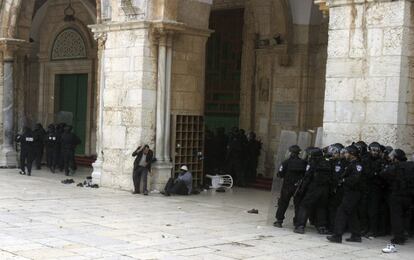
162 168
167 127
8 156
100 86
161 93
369 95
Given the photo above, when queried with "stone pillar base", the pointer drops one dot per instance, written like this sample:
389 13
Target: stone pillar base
160 173
8 158
97 171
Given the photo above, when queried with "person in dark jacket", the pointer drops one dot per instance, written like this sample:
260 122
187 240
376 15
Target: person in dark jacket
400 176
317 180
52 147
69 141
142 165
291 171
26 140
347 213
39 134
182 185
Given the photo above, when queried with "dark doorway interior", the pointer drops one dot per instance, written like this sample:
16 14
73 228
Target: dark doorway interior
223 68
71 95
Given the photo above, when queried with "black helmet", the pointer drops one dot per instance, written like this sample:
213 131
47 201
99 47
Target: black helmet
315 152
353 150
398 154
294 149
333 149
361 146
388 149
374 146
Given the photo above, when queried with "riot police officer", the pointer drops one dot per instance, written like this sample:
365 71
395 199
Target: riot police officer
347 213
339 164
317 181
291 171
400 175
69 142
39 134
52 147
26 140
375 187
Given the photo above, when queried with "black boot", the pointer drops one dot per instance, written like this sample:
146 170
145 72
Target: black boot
334 239
354 238
277 224
299 230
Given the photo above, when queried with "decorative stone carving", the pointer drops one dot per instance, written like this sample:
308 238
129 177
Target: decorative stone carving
69 44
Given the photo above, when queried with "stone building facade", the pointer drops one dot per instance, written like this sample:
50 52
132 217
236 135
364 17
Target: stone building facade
140 63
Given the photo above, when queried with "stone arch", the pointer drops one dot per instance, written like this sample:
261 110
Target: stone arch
11 10
69 44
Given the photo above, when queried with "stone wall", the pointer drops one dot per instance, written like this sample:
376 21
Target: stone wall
129 101
369 90
286 77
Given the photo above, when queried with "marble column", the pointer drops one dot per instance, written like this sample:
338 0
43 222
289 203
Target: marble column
160 131
167 126
162 168
100 86
8 155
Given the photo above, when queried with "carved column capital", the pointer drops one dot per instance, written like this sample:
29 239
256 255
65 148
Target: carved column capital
9 47
100 38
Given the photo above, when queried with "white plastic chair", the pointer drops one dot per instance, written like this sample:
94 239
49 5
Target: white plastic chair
220 181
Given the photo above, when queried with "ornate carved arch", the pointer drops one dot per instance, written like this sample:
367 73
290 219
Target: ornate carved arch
69 44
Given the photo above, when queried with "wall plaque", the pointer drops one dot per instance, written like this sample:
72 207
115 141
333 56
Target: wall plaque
285 113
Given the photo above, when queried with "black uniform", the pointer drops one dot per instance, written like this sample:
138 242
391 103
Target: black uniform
69 142
39 134
26 141
292 171
348 210
337 191
52 148
318 180
235 158
253 152
376 191
400 175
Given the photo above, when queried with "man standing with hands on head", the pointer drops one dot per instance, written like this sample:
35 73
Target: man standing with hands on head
142 165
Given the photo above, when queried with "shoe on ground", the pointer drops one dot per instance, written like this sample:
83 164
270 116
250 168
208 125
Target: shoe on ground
135 192
253 211
334 239
165 193
277 224
356 239
299 230
398 241
22 173
29 174
390 248
146 193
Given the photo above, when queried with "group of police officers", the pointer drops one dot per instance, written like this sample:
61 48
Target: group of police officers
366 190
60 143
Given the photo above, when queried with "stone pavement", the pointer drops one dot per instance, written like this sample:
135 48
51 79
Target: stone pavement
40 218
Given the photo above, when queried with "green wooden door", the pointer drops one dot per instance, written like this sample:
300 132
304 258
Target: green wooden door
73 93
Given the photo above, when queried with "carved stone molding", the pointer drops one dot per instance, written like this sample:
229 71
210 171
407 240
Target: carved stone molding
9 47
323 6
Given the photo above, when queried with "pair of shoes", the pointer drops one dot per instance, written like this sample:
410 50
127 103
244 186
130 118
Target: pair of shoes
146 193
398 241
334 239
253 211
390 248
80 184
22 173
356 239
277 224
68 181
299 230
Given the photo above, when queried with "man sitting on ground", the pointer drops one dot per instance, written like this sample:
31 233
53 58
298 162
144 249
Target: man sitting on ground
182 185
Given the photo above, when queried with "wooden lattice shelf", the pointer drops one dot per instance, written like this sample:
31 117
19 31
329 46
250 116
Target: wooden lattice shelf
188 145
